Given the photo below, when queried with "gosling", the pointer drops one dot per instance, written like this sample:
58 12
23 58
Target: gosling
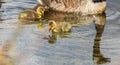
59 26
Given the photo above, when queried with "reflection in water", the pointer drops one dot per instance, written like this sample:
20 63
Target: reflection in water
57 52
0 10
8 52
6 59
74 20
98 58
0 3
67 21
52 38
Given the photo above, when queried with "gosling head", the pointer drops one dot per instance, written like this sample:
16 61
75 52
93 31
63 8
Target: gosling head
40 11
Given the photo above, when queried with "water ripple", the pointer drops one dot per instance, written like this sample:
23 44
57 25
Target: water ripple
112 11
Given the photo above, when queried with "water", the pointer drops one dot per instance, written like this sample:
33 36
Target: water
88 43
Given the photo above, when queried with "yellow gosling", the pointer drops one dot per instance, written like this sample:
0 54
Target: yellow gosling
59 26
31 15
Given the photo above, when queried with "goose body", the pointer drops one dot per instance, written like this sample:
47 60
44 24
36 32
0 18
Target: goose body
75 6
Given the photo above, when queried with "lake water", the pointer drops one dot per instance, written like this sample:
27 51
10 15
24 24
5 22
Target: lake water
88 42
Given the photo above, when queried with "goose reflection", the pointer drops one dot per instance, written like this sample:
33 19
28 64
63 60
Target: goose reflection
68 21
98 58
1 11
76 20
0 3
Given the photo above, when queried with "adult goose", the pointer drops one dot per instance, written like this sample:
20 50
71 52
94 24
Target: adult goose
86 7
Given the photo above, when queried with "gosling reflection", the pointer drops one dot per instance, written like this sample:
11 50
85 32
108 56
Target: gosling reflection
53 37
98 58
